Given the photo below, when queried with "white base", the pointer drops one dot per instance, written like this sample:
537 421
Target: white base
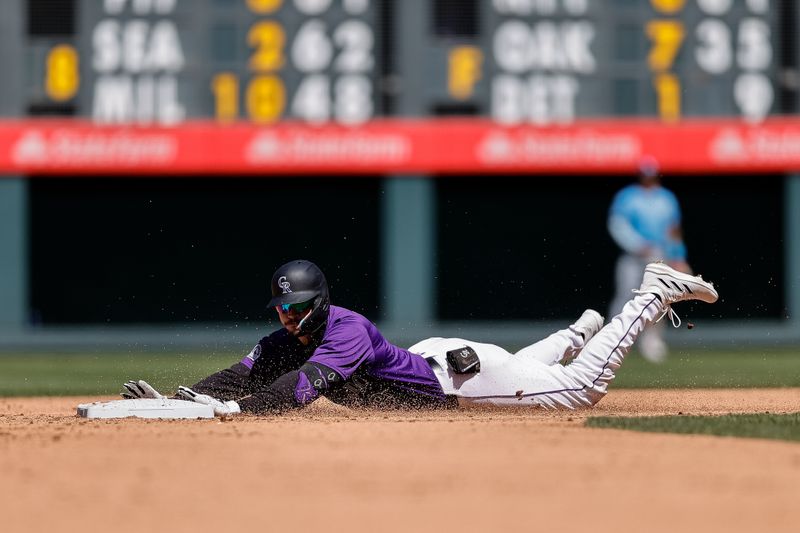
145 408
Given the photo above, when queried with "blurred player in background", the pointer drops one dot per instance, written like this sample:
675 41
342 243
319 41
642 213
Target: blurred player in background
645 222
325 350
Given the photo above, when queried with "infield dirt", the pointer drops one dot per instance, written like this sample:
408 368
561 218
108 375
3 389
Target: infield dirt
333 469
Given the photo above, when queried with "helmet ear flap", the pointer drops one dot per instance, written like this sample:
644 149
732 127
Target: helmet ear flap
314 320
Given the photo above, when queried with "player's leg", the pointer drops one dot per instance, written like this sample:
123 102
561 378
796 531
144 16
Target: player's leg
662 286
627 276
493 366
429 346
526 381
565 344
503 379
595 367
530 382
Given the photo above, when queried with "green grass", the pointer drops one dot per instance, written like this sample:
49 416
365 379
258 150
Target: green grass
56 374
78 374
757 426
756 367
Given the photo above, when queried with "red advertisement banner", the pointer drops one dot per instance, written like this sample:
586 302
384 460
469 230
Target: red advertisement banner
443 146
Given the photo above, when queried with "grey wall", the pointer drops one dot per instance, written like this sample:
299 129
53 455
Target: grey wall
13 190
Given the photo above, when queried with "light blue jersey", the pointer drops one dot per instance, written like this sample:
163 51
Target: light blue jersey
643 217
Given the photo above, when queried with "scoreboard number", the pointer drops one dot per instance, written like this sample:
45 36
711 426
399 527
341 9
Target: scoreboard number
266 98
754 95
319 68
311 102
355 39
264 7
669 7
226 96
714 53
464 71
750 52
353 99
62 78
312 50
268 39
667 37
668 90
312 7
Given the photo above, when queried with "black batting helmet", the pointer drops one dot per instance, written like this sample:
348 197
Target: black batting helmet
302 281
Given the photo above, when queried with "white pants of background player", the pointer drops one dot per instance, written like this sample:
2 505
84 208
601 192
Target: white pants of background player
534 375
628 276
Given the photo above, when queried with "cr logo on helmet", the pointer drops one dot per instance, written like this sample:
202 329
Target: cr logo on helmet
284 284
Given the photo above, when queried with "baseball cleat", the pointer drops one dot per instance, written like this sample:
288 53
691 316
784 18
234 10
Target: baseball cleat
673 286
588 324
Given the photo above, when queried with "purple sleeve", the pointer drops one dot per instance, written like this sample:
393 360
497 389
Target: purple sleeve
292 390
346 347
279 396
250 359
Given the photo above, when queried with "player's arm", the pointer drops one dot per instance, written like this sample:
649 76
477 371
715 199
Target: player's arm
346 347
292 390
344 350
261 365
626 237
235 381
621 228
272 357
227 384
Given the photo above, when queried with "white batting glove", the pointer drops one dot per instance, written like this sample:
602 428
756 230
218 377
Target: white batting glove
220 408
140 389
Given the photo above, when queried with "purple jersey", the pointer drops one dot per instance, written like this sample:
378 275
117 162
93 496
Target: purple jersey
352 344
349 362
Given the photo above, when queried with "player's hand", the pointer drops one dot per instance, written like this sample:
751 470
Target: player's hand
220 408
140 389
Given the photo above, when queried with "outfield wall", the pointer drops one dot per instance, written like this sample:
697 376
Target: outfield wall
131 263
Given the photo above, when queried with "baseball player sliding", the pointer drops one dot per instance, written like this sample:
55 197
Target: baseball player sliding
325 350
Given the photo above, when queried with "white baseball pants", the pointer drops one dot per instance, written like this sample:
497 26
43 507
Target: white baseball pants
534 375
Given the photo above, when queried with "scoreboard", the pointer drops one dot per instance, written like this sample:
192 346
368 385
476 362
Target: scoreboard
375 86
555 61
515 61
260 60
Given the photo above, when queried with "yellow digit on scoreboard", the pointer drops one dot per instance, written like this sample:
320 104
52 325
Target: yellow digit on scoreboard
62 77
266 98
268 38
225 87
668 89
262 7
667 37
464 71
668 6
